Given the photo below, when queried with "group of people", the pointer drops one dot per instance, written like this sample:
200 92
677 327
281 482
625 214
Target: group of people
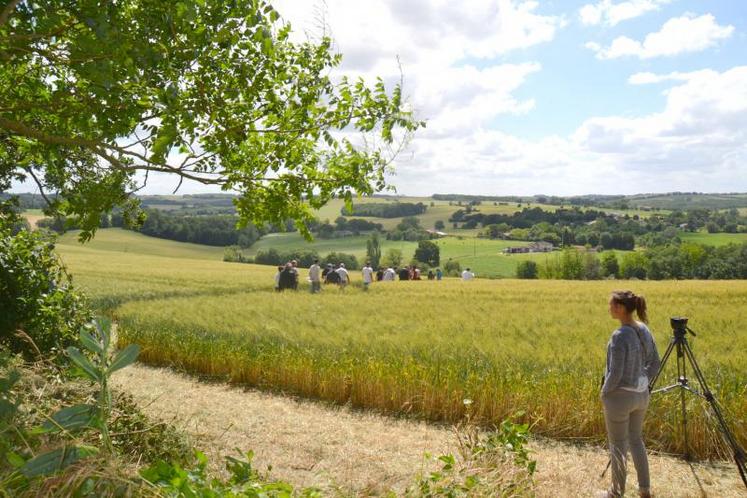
287 276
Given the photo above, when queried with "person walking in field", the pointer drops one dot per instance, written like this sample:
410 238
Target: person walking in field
287 278
277 278
431 275
332 276
632 360
439 274
468 275
380 274
344 276
315 277
368 275
404 273
296 274
389 275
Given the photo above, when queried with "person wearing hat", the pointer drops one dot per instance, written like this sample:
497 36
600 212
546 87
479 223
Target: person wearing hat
344 275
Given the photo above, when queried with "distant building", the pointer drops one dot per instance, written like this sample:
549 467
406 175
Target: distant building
539 246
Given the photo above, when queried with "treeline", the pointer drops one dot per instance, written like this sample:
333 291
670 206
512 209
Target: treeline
343 227
385 210
574 226
304 258
211 230
673 262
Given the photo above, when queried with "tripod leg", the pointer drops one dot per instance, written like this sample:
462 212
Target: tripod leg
739 454
682 377
663 362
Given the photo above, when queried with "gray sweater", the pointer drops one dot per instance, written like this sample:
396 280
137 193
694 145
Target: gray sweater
631 356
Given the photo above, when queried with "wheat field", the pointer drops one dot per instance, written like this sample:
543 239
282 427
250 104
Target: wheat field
421 349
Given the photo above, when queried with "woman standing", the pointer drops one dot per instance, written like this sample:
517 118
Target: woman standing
632 359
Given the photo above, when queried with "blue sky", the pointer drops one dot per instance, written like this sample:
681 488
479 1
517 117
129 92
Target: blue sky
574 85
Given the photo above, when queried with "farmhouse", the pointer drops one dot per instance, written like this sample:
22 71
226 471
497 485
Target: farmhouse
539 246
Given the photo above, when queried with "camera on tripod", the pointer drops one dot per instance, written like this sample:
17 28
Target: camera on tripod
679 326
684 357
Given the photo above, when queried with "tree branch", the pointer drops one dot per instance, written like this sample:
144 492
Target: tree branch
7 10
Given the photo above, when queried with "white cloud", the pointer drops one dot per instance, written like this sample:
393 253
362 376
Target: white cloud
698 141
647 78
678 35
609 13
702 129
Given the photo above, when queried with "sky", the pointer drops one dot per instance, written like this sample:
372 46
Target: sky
557 97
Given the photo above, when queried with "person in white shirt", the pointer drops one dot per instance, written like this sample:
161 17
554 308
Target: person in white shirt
467 275
315 277
344 275
368 275
389 274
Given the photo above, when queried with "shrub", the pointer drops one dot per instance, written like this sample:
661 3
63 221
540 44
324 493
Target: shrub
428 252
349 260
37 300
527 269
452 268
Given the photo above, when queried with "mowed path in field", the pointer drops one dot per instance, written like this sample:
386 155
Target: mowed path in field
364 454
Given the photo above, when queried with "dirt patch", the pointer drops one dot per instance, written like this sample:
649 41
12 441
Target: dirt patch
363 454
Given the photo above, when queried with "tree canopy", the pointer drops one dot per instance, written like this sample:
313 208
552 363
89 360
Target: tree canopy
98 95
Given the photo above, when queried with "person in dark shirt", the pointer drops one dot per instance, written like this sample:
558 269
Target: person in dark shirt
287 278
404 273
380 274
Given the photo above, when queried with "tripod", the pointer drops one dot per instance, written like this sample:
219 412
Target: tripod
684 356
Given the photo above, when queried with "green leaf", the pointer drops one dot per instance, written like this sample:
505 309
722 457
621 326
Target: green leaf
84 363
89 342
15 460
71 418
56 460
124 358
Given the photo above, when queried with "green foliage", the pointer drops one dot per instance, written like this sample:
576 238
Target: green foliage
452 268
373 250
334 258
490 464
428 253
408 229
243 481
87 106
527 269
610 266
392 258
634 265
385 210
272 256
40 311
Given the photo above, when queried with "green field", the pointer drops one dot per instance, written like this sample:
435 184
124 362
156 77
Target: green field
417 348
714 239
127 241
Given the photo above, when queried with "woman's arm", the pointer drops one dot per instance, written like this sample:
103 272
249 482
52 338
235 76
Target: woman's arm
615 361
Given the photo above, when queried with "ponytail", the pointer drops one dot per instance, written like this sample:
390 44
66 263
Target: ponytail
640 308
632 303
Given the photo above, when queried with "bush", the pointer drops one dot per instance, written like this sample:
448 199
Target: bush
452 268
37 298
392 258
527 269
349 260
634 265
428 252
610 266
